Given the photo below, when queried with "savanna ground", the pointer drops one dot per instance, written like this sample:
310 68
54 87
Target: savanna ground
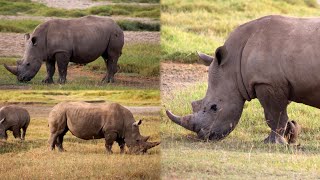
136 86
188 26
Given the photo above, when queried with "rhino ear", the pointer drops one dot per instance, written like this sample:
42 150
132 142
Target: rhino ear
2 120
221 53
206 59
26 36
34 40
137 123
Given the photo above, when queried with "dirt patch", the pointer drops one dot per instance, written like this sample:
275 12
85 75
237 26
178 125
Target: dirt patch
176 76
12 44
81 4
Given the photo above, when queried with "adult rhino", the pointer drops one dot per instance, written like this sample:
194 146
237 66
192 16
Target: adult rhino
112 122
80 40
275 59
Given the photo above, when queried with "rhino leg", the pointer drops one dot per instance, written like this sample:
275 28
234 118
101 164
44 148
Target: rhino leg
60 140
53 140
50 65
274 103
122 144
24 131
62 62
109 139
16 132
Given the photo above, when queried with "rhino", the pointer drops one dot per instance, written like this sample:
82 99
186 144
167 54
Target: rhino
13 118
80 40
275 59
112 122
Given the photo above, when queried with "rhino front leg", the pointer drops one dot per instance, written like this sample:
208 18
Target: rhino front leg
50 65
16 132
122 144
274 103
62 62
109 139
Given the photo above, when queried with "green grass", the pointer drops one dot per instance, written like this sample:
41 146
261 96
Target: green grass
31 159
137 60
27 26
32 8
132 1
126 97
242 153
188 26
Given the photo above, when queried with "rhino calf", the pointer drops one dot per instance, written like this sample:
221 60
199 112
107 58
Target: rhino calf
112 122
292 132
14 118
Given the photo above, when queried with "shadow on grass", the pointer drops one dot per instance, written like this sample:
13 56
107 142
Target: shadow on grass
20 146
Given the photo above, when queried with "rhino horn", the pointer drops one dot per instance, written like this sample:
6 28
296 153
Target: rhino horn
145 139
207 60
12 69
186 121
2 120
150 145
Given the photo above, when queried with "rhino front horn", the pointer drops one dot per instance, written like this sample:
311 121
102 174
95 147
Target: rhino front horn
207 60
12 69
186 121
152 144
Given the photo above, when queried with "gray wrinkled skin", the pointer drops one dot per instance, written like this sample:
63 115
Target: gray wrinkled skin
79 40
13 118
275 59
112 122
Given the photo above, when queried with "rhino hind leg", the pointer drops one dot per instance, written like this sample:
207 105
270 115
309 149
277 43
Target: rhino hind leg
62 62
50 65
53 140
24 131
274 103
60 140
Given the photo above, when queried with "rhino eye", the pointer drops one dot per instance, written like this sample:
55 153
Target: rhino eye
213 107
28 64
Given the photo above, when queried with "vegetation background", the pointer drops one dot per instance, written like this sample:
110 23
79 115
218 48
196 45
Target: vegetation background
190 25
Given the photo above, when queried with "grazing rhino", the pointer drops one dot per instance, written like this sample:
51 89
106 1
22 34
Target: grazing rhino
80 40
292 132
14 118
275 59
112 122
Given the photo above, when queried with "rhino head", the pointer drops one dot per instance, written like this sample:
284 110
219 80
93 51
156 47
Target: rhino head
217 114
32 59
138 144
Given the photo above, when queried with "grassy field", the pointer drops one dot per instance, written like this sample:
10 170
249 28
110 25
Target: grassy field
32 159
242 153
188 26
137 60
27 25
32 8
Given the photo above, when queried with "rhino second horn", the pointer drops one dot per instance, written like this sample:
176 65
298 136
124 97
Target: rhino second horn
207 60
12 69
185 121
152 144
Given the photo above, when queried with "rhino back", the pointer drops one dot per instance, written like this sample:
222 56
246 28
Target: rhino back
284 53
14 115
88 121
84 39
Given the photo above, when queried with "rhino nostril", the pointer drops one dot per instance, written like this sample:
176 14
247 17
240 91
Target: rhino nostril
214 107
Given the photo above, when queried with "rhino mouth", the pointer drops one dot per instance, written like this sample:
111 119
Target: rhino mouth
213 135
24 79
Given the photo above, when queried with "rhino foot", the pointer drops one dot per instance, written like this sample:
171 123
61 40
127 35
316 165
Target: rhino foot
48 81
275 139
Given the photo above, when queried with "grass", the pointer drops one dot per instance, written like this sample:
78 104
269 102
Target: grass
128 97
242 153
32 8
27 26
137 60
31 158
188 26
132 1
